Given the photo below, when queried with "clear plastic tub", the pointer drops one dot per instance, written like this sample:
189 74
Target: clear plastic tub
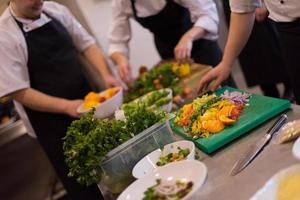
120 161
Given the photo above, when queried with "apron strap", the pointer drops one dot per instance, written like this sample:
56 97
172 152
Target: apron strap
20 24
134 11
134 8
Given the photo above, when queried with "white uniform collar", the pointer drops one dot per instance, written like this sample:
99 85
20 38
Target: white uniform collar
29 24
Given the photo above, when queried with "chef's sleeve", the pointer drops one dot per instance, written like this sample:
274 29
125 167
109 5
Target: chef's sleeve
120 31
244 6
204 14
13 66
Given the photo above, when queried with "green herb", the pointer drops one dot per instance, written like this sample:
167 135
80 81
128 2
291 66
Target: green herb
88 140
162 101
209 104
162 75
171 157
154 99
153 194
197 157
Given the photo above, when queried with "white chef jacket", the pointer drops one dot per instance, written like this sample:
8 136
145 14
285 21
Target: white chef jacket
203 14
280 10
13 49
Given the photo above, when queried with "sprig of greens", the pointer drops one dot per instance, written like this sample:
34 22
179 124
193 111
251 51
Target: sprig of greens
145 83
154 100
88 140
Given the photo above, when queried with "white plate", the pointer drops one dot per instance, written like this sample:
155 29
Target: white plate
296 148
269 190
106 108
189 170
148 163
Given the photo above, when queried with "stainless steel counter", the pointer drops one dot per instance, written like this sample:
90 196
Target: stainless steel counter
24 168
220 185
12 131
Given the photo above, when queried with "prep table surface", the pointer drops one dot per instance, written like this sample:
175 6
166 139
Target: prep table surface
220 185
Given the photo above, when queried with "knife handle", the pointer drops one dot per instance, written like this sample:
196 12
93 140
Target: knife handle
278 124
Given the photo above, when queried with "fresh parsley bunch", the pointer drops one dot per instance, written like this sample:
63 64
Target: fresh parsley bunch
88 140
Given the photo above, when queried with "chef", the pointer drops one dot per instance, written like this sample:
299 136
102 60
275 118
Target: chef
39 68
181 29
285 14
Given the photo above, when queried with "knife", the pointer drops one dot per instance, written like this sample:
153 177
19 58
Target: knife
254 149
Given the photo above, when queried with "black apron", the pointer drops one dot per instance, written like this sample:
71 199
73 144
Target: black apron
169 25
290 40
54 69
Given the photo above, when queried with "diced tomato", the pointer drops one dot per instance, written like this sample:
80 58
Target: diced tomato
187 91
142 70
235 112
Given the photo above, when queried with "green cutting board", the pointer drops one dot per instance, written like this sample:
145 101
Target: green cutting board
259 110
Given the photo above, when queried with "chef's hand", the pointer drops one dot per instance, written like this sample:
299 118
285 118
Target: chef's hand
261 14
125 72
111 81
218 74
71 107
124 68
184 47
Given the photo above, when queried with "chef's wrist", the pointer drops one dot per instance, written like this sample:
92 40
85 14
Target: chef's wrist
64 106
107 78
227 63
188 36
105 73
119 58
228 58
195 33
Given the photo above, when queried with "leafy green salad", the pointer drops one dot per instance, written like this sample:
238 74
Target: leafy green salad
89 139
164 190
157 78
154 99
172 157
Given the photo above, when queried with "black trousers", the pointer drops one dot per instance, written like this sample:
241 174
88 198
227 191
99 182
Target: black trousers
51 130
75 191
290 42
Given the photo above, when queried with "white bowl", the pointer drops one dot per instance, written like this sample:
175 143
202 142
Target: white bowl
269 190
188 170
296 148
106 108
148 163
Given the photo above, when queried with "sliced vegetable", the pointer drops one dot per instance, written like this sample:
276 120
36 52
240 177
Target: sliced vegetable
172 157
164 190
210 114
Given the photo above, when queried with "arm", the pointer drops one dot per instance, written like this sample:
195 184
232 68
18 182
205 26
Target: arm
184 47
45 103
261 13
123 66
95 56
239 32
119 37
205 18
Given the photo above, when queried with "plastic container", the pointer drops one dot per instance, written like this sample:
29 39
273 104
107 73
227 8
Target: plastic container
120 161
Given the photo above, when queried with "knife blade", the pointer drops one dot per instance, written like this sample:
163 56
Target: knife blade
256 148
